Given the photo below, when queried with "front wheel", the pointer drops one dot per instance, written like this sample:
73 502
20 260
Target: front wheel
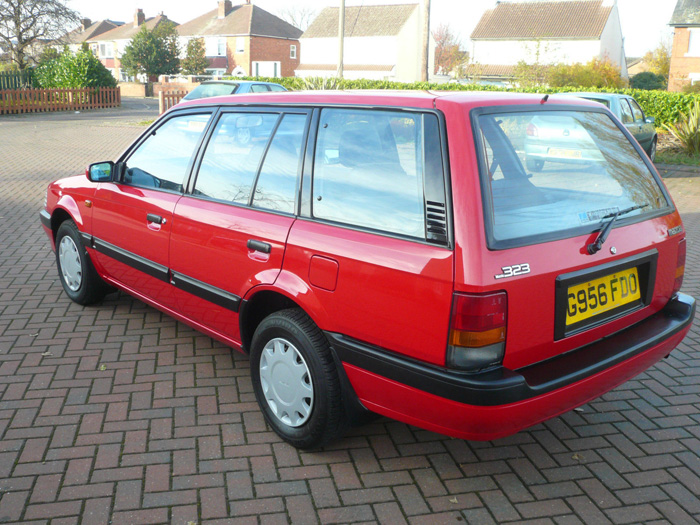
75 270
652 150
295 380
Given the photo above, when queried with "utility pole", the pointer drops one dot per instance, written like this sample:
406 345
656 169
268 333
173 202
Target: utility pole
341 37
425 55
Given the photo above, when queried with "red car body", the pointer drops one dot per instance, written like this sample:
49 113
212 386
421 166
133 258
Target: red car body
385 303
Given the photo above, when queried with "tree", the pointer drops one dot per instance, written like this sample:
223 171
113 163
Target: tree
69 70
26 23
153 52
659 59
448 55
195 61
648 80
596 73
299 16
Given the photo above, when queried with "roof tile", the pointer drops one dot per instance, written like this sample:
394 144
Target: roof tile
580 19
368 20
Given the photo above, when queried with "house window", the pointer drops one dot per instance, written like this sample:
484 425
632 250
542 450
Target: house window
215 47
106 50
293 52
222 47
240 44
694 43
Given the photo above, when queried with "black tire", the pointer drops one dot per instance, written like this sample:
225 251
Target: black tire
326 418
652 149
85 287
535 165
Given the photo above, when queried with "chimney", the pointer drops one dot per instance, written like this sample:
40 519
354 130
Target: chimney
139 18
85 23
224 8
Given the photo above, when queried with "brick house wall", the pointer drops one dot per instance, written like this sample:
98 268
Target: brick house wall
681 66
238 59
275 49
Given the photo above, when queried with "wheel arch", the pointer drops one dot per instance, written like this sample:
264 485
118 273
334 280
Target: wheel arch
66 209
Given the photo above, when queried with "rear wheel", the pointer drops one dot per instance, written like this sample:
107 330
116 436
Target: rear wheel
534 164
295 380
75 270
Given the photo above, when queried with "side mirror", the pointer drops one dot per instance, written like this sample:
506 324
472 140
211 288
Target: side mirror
100 171
650 120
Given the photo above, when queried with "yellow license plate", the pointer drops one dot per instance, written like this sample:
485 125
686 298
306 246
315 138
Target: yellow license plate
565 153
595 297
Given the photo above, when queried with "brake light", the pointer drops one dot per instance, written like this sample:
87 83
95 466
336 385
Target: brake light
532 131
477 330
680 266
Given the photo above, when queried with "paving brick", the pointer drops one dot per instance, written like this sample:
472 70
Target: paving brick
170 427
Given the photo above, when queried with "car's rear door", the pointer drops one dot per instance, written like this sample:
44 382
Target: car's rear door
229 230
132 216
372 242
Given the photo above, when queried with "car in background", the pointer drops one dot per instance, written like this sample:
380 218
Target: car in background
216 88
631 115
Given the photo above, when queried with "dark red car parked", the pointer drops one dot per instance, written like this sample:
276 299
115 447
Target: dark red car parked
391 252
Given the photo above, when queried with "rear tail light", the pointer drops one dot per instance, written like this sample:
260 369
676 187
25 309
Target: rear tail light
680 266
477 330
532 131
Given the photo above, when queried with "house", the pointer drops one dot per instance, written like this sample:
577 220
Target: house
244 40
547 32
636 65
685 54
382 42
85 32
110 45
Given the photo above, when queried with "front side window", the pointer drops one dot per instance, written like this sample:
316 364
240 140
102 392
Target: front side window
163 160
369 170
636 111
234 155
626 112
555 174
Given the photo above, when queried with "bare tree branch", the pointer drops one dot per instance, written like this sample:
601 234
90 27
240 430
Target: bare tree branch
298 16
26 23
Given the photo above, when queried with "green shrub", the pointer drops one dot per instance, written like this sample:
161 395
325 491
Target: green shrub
320 83
69 70
691 88
666 107
687 130
648 80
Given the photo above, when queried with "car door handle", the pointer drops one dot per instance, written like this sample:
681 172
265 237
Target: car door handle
259 246
152 217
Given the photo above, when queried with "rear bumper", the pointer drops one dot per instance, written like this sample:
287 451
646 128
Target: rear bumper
499 402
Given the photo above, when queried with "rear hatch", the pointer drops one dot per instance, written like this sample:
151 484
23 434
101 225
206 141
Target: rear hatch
580 232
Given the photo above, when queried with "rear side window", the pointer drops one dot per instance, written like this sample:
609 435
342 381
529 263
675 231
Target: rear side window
233 156
554 174
369 170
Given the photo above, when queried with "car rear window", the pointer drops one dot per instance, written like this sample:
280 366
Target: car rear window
550 175
211 90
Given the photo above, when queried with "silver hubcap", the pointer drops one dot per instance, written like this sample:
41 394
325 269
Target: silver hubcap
71 269
286 382
652 155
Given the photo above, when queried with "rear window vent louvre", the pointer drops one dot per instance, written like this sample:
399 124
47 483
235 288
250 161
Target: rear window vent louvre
436 216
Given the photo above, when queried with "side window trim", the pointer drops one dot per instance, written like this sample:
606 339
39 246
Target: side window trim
280 117
152 130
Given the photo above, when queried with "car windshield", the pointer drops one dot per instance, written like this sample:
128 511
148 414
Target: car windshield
555 174
211 90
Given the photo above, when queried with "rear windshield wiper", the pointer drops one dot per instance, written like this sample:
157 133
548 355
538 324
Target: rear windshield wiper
596 245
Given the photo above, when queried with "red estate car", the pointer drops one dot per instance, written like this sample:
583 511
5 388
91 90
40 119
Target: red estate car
391 252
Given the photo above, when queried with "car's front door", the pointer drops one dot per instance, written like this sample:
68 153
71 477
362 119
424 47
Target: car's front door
132 216
645 130
229 232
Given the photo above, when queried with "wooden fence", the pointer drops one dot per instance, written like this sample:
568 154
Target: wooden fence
16 79
167 99
37 100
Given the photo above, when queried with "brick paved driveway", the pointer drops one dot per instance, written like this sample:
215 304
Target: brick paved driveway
117 412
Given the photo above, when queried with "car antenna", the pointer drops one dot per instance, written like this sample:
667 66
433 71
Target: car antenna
544 99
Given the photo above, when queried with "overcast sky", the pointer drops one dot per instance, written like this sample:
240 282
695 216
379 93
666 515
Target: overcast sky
644 22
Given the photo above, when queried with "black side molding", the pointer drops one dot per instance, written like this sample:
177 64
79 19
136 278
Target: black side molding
135 261
207 292
500 386
45 218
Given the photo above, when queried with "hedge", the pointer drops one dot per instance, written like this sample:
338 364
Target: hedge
666 107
